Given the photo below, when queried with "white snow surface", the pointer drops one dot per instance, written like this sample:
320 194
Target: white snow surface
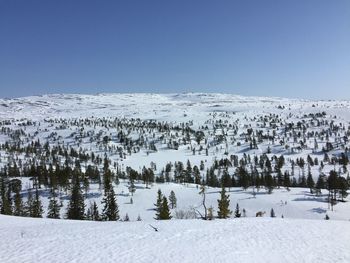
231 240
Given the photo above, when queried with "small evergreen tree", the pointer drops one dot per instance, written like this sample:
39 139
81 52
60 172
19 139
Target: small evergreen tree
164 211
272 213
126 218
320 184
93 213
172 200
53 208
237 211
158 204
223 205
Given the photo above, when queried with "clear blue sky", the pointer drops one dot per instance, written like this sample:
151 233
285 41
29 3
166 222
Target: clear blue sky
296 48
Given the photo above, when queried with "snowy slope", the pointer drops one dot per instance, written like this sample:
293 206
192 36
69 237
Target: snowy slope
235 240
202 109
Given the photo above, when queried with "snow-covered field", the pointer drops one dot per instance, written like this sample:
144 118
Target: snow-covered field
153 130
232 240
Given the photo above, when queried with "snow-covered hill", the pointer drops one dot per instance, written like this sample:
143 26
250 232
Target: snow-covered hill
175 142
234 240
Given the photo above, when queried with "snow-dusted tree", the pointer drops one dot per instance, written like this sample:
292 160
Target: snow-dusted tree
172 199
223 205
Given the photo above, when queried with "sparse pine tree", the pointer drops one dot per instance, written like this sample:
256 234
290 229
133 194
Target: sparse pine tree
272 213
126 217
237 211
92 212
95 216
172 200
223 205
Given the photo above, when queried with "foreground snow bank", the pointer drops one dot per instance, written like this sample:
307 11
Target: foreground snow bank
234 240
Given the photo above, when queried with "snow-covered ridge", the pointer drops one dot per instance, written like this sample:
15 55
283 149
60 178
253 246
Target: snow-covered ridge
143 104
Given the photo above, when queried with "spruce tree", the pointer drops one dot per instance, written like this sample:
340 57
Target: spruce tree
94 212
76 206
269 183
164 211
54 207
237 211
272 213
110 210
37 208
172 199
223 205
320 184
158 204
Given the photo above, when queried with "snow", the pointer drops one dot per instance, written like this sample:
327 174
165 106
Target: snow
232 240
301 236
297 203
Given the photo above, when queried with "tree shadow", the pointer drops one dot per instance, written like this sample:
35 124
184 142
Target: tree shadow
318 210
